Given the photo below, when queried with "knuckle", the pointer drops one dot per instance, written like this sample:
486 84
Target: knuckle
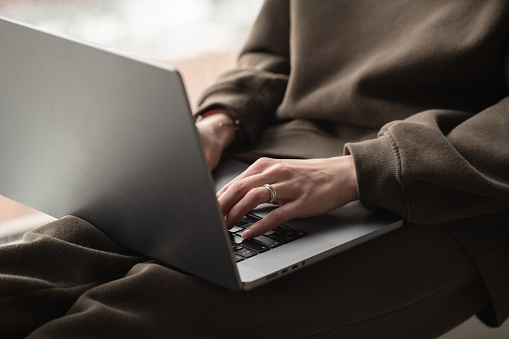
237 186
262 162
281 169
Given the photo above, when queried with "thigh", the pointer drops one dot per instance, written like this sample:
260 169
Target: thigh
41 278
414 282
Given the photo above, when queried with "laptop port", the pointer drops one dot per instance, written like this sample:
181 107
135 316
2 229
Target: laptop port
273 275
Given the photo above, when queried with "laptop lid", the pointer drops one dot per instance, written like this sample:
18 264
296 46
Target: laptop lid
89 132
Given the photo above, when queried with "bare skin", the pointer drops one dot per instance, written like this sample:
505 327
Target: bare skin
214 137
305 188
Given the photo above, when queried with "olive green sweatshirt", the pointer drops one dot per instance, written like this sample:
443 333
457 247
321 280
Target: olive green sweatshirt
416 91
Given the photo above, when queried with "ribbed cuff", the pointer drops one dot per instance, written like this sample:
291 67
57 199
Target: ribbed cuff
377 167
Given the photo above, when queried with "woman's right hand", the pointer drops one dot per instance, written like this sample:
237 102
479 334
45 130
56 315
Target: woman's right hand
214 137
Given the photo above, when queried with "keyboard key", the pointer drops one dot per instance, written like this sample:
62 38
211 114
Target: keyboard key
268 241
298 234
288 236
236 239
235 229
236 247
255 246
242 222
282 229
244 249
246 253
251 218
269 233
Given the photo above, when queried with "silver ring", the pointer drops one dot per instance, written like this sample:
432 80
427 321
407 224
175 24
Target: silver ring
272 193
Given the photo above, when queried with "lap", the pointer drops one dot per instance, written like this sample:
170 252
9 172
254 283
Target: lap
416 281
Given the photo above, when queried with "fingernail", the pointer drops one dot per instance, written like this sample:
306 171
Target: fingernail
226 223
248 233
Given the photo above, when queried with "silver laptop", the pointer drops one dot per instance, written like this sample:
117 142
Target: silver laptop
109 138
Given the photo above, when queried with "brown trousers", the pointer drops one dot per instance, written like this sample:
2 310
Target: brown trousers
68 280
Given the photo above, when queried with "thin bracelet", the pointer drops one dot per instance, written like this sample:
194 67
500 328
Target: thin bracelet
235 123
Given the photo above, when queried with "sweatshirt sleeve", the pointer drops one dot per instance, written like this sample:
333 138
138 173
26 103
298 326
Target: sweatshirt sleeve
438 165
255 88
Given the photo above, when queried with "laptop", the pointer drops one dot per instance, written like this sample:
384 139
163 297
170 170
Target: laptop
109 138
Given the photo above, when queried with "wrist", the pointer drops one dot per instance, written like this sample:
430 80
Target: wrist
221 125
343 169
352 177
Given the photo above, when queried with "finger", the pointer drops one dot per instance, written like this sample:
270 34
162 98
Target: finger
256 168
243 176
275 218
239 189
227 186
253 198
248 172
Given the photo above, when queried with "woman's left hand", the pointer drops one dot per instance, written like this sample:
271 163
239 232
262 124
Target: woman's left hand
304 188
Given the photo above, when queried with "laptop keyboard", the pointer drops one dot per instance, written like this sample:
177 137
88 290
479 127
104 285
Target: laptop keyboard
244 249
